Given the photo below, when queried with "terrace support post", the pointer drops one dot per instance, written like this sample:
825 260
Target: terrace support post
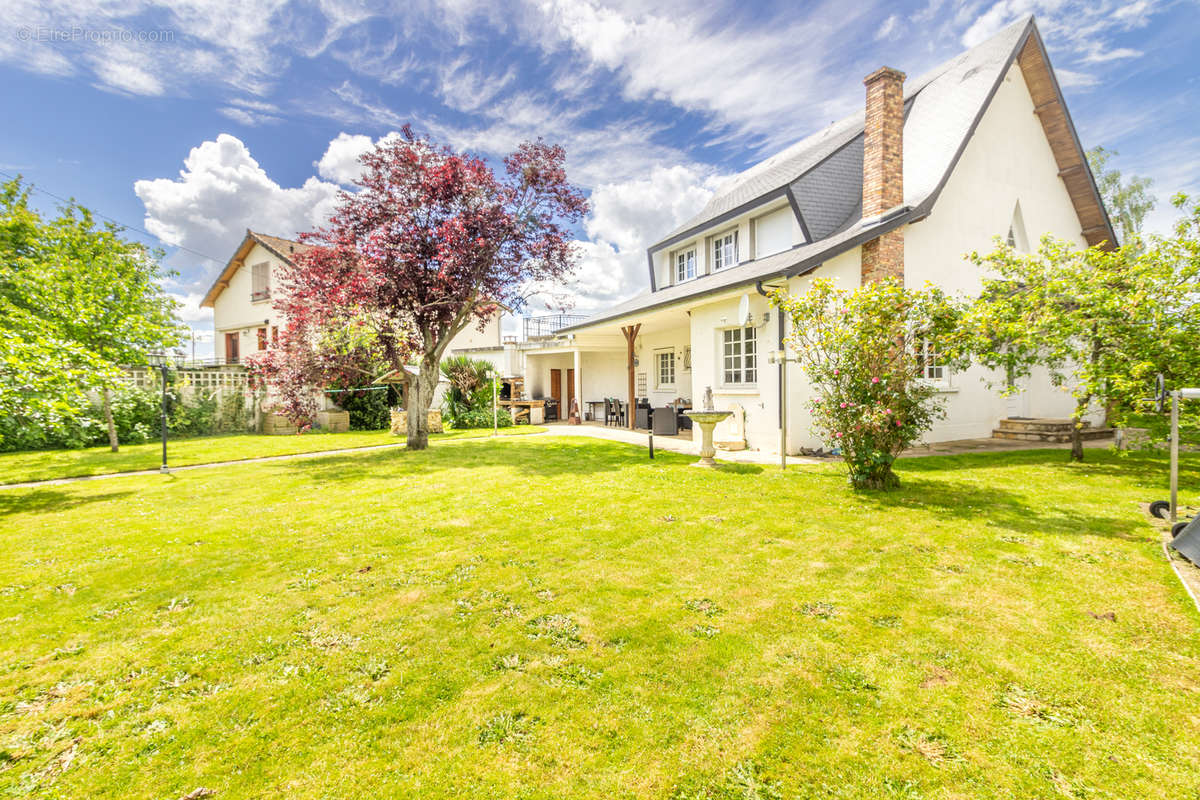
631 332
1175 456
163 411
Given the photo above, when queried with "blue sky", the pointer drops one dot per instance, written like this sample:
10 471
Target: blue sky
197 119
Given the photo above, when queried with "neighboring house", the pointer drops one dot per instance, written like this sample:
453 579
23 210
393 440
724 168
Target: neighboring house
245 319
932 168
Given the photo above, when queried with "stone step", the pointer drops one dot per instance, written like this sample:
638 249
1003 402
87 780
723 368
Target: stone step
1038 425
1062 437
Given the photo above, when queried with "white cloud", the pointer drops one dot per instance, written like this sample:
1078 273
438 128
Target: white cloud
696 60
889 26
127 70
633 214
626 218
1070 79
1100 55
340 162
189 307
220 192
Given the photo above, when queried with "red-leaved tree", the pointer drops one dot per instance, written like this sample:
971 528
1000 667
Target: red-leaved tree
431 243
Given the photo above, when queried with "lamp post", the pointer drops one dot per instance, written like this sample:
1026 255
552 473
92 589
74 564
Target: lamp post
780 357
161 361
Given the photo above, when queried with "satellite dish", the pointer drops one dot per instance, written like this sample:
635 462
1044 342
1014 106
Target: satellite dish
743 315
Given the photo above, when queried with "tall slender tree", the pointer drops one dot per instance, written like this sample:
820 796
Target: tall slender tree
430 244
1128 200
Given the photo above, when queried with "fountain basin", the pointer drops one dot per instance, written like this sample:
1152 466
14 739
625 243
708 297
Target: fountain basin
707 420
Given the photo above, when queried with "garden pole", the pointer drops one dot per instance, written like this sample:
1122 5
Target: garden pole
1174 454
163 468
495 413
783 412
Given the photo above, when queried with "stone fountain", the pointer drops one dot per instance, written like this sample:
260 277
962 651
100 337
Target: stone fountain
707 418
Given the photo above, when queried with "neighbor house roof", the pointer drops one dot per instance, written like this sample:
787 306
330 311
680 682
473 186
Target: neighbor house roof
821 176
277 245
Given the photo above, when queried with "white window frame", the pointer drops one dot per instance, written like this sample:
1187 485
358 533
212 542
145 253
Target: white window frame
684 262
725 250
664 379
739 357
933 370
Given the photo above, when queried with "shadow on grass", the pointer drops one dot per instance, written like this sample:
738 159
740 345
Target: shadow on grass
998 508
544 458
1140 469
50 501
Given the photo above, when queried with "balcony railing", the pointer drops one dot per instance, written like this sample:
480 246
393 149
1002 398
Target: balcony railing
541 327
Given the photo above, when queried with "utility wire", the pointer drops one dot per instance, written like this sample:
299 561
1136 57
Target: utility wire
37 188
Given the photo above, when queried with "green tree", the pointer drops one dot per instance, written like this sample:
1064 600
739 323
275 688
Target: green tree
1128 202
78 302
865 353
1102 322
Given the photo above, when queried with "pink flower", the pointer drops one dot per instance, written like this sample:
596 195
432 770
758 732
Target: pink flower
874 380
897 423
839 434
843 405
835 372
887 411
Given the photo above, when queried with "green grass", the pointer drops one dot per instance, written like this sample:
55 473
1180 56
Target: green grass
545 617
40 465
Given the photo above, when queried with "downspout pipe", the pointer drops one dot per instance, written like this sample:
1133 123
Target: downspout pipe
758 287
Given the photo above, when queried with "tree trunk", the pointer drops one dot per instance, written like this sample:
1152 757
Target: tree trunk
108 418
419 399
1077 428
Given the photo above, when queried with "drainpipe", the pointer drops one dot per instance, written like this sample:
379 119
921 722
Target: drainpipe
758 286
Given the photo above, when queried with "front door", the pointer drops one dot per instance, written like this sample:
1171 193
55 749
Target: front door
556 385
570 390
231 348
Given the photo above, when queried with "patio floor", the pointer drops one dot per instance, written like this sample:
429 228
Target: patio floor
682 443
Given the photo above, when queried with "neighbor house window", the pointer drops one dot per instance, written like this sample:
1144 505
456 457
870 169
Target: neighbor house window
274 335
666 368
685 265
725 250
740 352
262 338
260 282
933 367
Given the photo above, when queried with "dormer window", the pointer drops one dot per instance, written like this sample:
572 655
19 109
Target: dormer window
725 251
685 265
260 281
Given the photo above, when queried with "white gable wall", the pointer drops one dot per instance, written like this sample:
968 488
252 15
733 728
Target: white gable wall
235 312
1006 160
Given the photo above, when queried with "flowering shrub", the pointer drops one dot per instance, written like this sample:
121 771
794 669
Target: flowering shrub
857 349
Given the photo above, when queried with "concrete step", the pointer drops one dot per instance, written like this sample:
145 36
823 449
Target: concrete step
1060 436
1038 425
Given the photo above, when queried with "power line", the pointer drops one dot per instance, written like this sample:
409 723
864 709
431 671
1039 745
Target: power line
60 199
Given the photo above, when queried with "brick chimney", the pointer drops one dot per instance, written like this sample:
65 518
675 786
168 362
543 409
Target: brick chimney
883 171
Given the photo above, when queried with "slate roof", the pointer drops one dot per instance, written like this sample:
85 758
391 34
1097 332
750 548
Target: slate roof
822 174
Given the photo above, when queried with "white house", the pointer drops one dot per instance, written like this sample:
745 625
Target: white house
245 319
931 169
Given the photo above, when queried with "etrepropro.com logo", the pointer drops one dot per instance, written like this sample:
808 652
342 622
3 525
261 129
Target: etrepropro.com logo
32 33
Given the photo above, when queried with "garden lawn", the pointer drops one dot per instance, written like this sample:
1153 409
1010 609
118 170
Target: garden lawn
545 617
40 465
